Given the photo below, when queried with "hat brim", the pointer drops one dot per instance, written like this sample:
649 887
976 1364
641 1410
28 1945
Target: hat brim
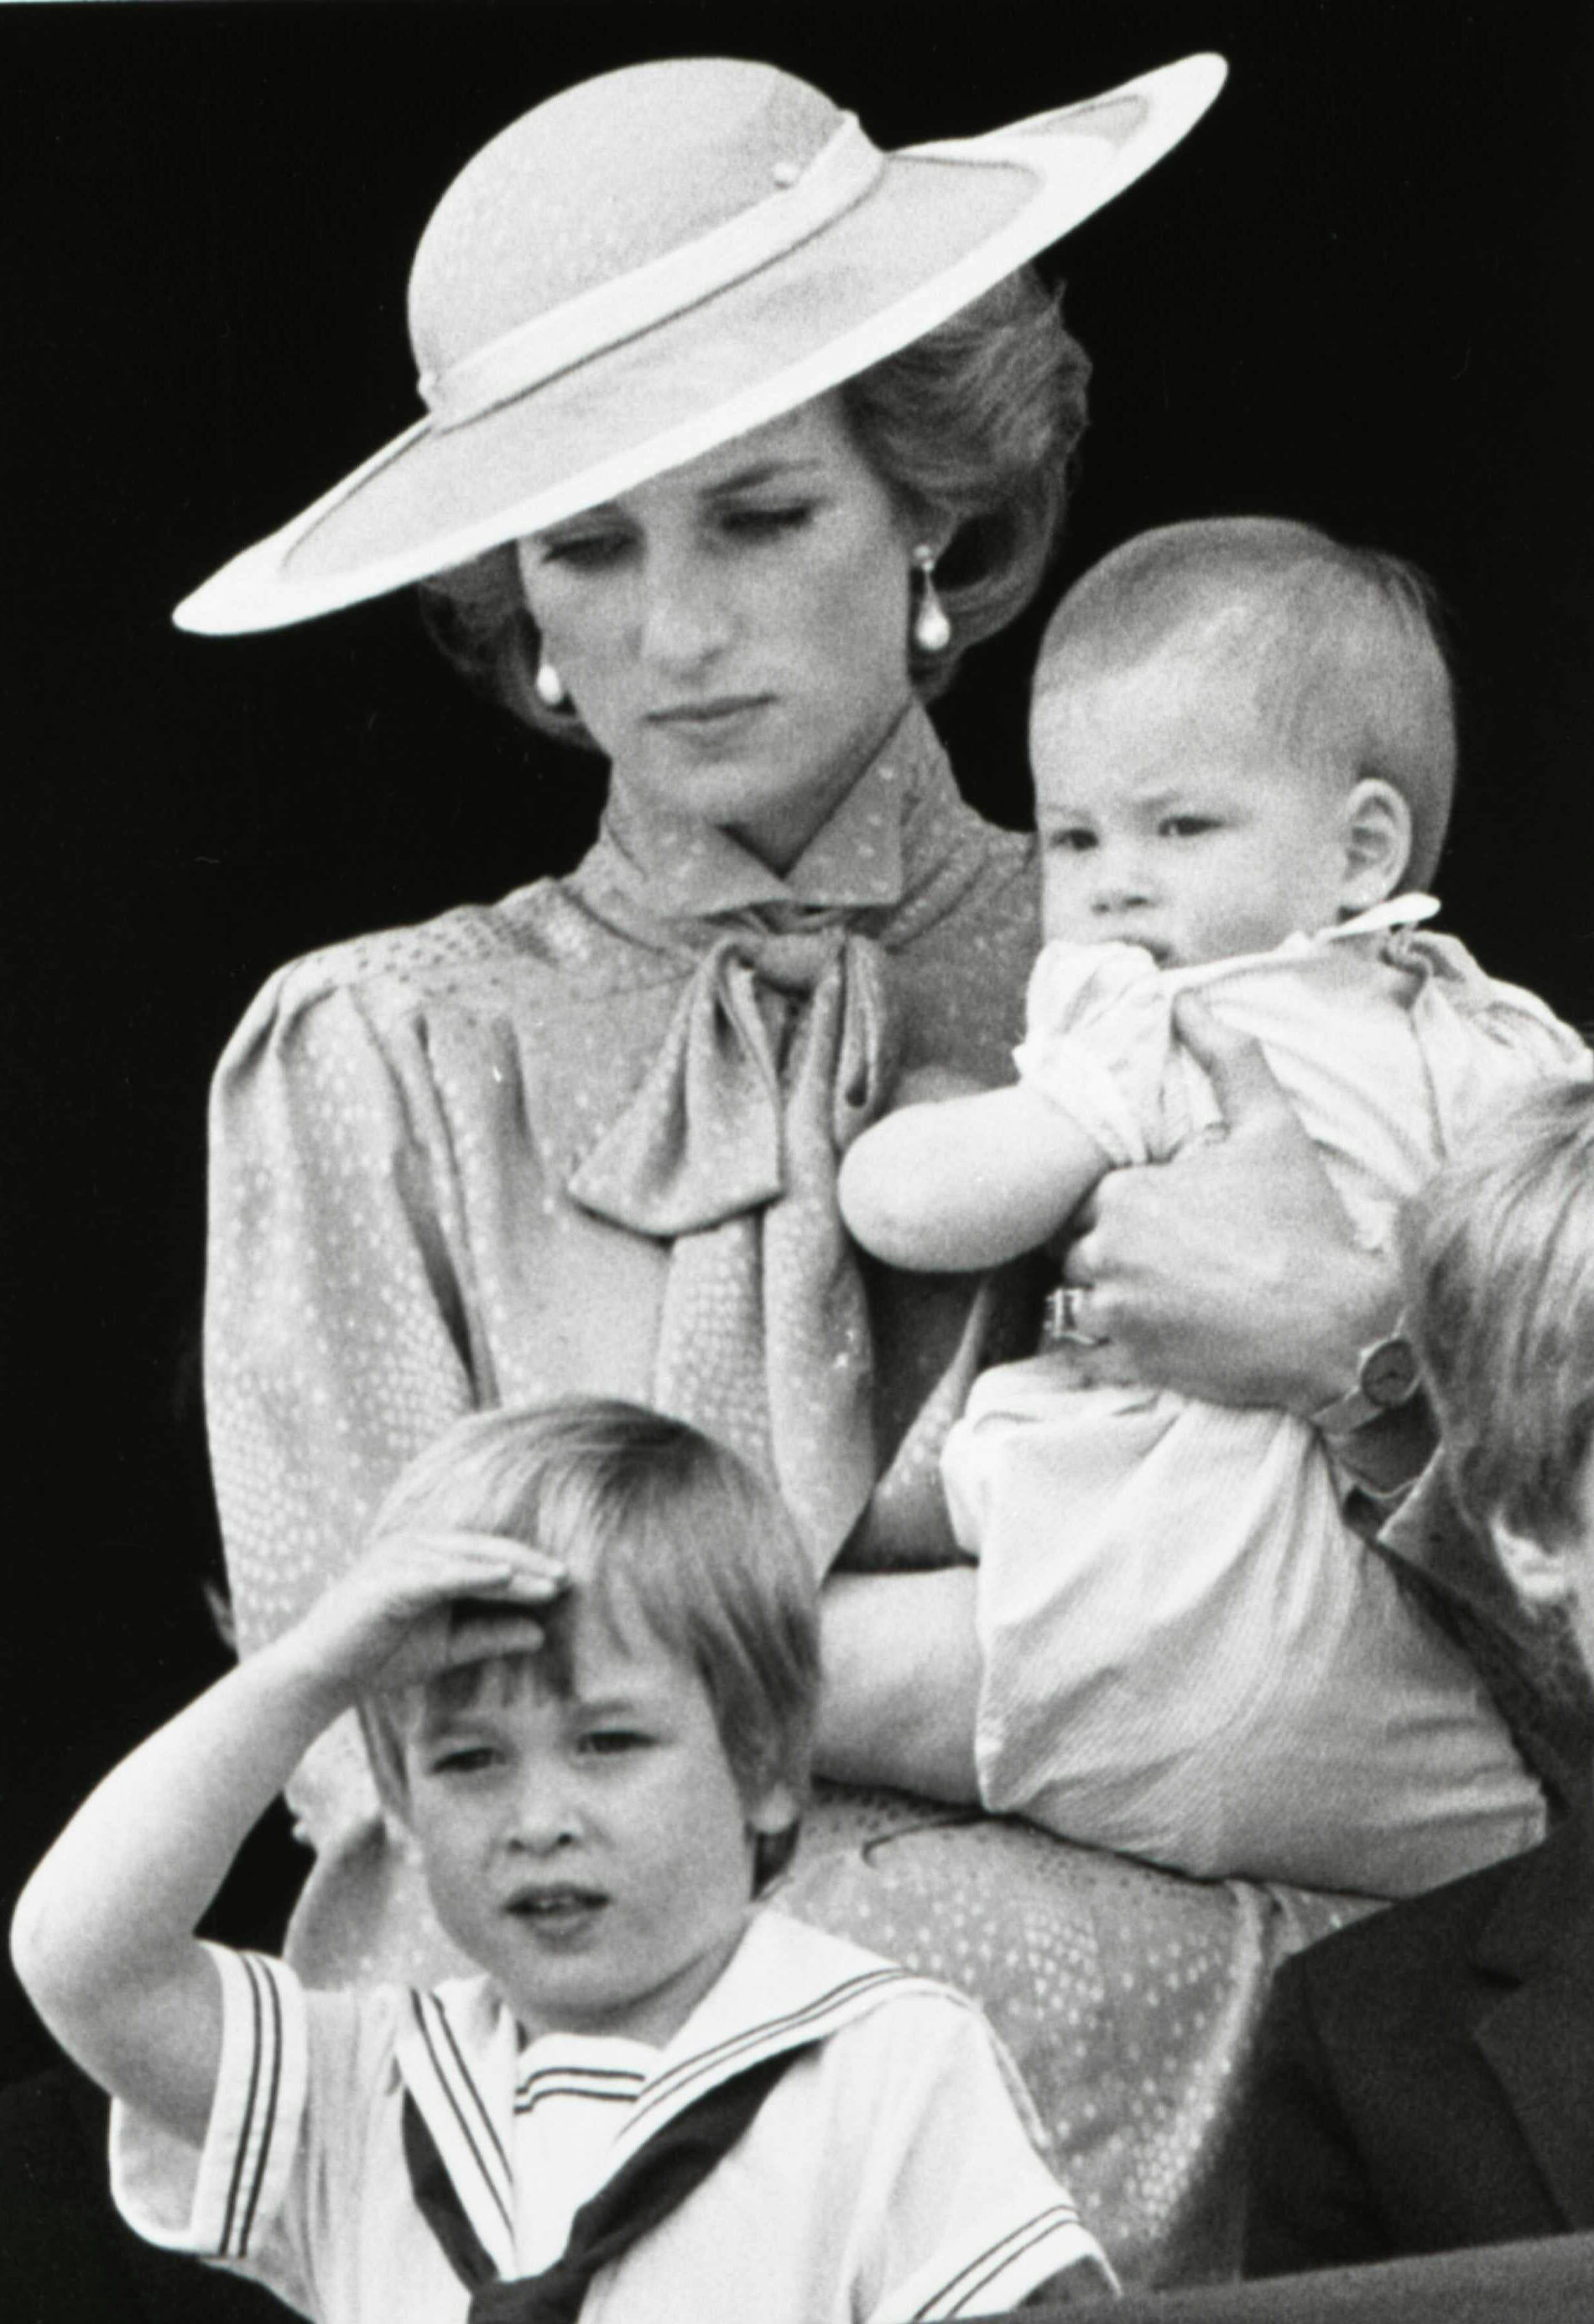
942 225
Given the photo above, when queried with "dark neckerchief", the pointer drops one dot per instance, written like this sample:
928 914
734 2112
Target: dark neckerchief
645 2189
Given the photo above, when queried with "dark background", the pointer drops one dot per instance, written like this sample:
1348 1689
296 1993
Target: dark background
1356 296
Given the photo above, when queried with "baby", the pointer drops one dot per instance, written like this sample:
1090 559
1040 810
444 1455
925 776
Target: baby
1244 753
584 1640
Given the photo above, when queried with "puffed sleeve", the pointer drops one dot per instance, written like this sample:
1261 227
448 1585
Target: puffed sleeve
336 1338
960 2215
1098 1036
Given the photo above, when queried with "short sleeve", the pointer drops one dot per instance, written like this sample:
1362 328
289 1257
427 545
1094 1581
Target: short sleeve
1098 1039
229 2201
960 2217
281 2189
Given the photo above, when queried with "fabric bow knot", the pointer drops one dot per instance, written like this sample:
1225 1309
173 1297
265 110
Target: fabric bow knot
781 1039
779 1053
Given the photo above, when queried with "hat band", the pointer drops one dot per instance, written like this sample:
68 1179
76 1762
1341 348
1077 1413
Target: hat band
846 167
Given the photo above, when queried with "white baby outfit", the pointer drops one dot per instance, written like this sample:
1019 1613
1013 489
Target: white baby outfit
1188 1654
889 2175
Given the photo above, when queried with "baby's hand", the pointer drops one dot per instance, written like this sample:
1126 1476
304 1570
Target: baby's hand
418 1603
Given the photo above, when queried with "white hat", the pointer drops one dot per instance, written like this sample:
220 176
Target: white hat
652 264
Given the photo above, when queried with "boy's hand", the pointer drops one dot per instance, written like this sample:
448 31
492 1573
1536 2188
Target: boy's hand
103 1935
418 1603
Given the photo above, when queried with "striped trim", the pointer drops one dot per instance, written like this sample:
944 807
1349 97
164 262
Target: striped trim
260 2107
806 2023
617 2082
466 2107
975 2278
457 2056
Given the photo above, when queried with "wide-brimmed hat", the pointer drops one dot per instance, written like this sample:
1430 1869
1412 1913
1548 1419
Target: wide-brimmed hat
650 264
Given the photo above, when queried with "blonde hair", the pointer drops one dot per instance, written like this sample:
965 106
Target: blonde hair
1342 647
1498 1254
647 1513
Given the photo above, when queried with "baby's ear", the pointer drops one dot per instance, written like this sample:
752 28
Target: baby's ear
1378 842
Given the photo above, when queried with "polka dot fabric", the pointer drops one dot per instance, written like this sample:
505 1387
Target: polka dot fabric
402 1127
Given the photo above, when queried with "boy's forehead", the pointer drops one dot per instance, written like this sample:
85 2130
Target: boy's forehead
601 1650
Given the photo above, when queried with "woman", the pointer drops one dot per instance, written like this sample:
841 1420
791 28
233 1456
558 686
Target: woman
739 433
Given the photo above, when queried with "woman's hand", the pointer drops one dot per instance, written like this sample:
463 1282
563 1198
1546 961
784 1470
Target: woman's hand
1232 1272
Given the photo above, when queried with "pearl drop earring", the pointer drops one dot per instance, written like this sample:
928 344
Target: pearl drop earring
549 687
931 630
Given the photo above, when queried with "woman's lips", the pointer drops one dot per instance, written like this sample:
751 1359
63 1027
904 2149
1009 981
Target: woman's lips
708 716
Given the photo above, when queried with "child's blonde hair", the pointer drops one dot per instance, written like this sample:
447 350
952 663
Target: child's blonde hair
646 1513
1342 647
1499 1263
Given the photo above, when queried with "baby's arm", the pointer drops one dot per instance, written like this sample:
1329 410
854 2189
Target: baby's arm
104 1936
969 1182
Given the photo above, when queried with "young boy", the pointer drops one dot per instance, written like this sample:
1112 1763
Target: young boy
1243 747
584 1640
1426 2079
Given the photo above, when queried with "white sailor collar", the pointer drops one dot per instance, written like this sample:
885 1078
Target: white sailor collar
457 2052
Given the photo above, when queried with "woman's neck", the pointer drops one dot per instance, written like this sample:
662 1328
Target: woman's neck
779 832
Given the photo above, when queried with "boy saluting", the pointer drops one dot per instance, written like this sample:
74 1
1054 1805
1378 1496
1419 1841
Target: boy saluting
584 1640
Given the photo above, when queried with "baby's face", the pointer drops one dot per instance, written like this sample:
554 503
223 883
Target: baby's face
1169 816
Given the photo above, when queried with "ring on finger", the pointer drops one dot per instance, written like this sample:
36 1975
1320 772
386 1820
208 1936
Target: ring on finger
1063 1317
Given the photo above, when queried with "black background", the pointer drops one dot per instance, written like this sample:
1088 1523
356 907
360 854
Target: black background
1356 296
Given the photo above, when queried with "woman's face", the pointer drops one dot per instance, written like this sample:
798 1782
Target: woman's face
734 634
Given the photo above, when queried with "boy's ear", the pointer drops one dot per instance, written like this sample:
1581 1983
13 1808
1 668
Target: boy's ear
386 1755
1539 1577
1378 842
